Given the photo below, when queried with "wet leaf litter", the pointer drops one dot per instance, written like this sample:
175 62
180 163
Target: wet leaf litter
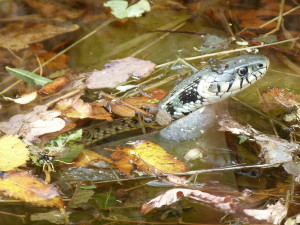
48 137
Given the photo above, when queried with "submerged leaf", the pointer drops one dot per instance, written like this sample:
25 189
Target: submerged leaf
28 76
54 217
13 153
80 197
26 187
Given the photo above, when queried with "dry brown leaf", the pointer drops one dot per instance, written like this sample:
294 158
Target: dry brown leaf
33 124
279 98
86 156
76 108
273 149
121 110
148 157
140 101
224 204
119 71
16 36
54 9
54 86
61 62
28 188
13 153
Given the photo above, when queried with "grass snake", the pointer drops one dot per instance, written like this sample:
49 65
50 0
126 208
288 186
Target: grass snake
206 86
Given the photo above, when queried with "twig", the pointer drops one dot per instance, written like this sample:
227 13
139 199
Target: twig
280 18
156 40
289 74
229 51
277 17
220 169
64 96
126 104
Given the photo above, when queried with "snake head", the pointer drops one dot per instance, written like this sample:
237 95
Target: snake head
242 71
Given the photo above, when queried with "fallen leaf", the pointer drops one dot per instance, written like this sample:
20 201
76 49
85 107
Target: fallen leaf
148 157
24 99
55 86
13 153
77 108
54 217
213 43
33 124
225 204
80 197
277 98
119 71
54 9
28 188
87 156
273 214
16 36
274 150
59 63
139 102
28 76
120 8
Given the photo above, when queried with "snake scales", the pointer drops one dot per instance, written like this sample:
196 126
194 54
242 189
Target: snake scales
204 87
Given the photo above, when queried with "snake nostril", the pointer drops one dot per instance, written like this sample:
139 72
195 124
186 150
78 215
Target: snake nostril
261 65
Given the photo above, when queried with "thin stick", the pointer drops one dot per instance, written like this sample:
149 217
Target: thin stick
277 17
290 74
126 104
156 40
220 169
64 96
229 51
280 18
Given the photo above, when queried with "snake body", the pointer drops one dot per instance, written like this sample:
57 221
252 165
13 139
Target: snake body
206 86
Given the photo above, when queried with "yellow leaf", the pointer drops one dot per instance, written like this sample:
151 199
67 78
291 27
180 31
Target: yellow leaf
148 157
26 187
13 153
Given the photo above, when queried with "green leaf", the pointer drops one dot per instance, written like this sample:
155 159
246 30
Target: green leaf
121 10
28 76
242 138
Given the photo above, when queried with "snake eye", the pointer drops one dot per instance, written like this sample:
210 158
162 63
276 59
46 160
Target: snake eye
242 71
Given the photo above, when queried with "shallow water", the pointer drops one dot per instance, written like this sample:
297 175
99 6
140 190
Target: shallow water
134 38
